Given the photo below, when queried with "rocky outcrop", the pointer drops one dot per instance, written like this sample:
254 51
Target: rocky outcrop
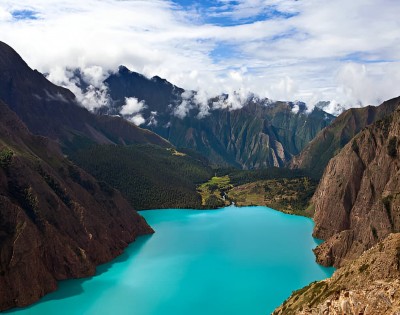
316 154
56 221
357 202
370 285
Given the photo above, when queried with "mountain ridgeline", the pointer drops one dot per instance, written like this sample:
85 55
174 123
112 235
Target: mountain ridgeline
317 153
52 111
259 134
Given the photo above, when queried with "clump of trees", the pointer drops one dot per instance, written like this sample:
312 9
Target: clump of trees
213 202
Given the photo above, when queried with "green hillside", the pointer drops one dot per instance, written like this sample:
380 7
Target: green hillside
149 176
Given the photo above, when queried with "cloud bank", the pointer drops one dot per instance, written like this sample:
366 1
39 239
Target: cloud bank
342 51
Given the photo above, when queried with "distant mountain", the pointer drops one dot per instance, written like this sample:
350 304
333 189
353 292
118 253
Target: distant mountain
56 221
52 111
316 154
357 202
260 133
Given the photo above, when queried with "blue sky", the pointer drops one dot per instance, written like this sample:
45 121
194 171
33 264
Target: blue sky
24 15
220 12
347 52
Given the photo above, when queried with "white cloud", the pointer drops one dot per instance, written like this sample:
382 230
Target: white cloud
137 119
343 51
183 108
131 111
96 94
5 15
132 106
285 89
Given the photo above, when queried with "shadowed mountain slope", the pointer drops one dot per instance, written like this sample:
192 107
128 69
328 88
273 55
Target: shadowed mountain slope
56 221
52 111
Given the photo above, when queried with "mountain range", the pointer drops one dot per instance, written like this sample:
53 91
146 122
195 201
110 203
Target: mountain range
70 179
257 133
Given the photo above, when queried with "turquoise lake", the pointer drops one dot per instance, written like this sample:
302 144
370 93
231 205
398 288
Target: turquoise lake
229 261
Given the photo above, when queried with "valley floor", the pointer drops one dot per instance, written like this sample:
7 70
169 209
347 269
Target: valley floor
288 195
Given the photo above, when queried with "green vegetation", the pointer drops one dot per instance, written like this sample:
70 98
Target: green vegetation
6 155
214 202
213 192
290 195
152 177
240 177
392 147
149 176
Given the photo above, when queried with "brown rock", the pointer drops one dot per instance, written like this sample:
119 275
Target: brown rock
56 221
357 202
368 285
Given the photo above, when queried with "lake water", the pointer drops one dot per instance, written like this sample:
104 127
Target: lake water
228 261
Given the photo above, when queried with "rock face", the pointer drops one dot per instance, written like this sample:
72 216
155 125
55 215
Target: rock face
316 154
259 134
357 202
370 285
52 111
56 221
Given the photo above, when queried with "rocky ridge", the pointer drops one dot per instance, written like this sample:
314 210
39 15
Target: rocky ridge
357 202
329 141
370 285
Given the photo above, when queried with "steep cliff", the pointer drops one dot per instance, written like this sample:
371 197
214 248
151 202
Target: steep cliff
370 285
357 202
316 154
56 221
